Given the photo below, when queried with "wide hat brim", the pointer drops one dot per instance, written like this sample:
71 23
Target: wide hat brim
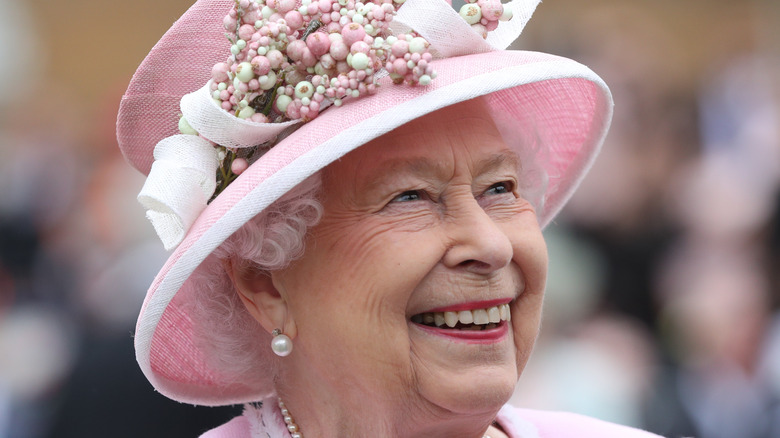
566 105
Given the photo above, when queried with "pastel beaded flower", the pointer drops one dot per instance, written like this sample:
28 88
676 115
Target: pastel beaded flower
291 61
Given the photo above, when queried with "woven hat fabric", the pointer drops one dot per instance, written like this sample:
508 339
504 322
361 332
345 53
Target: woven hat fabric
568 107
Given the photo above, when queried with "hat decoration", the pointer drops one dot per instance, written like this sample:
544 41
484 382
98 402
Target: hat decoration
290 60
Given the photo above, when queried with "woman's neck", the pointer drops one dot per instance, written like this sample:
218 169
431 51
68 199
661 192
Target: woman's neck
336 415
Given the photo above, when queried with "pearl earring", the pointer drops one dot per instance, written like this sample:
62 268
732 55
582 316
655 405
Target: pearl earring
281 344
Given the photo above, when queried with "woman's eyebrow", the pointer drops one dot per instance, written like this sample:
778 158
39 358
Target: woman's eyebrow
409 166
506 158
437 169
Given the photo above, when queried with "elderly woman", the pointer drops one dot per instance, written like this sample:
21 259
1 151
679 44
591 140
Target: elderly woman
355 200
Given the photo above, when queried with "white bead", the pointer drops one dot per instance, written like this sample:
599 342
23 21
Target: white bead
417 45
507 15
282 102
359 61
304 89
471 13
282 345
268 81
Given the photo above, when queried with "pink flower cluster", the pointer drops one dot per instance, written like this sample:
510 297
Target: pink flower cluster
291 60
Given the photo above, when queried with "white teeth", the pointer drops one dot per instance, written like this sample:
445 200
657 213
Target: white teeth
494 315
466 316
451 319
480 316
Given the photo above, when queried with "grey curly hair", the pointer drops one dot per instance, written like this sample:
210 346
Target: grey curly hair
270 241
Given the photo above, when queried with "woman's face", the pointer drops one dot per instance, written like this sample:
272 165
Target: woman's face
423 220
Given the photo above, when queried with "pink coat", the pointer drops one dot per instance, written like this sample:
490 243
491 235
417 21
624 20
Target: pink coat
517 423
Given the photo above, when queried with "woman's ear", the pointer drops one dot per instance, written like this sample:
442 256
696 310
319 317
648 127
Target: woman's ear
261 297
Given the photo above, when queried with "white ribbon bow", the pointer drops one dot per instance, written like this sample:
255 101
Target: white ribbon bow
183 175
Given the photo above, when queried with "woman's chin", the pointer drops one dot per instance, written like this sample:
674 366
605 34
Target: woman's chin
464 376
472 393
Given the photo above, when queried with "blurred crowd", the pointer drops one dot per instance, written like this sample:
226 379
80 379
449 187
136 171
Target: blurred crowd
664 286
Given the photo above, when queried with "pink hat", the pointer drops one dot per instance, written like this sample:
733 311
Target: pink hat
568 107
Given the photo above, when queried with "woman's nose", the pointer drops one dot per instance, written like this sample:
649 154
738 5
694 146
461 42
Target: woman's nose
478 244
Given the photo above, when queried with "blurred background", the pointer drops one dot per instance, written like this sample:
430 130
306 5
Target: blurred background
662 304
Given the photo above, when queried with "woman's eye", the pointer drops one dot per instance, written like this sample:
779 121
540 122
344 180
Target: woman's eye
408 196
500 188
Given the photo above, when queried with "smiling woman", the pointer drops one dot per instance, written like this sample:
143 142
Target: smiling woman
380 268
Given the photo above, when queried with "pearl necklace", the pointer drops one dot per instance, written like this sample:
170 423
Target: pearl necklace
295 431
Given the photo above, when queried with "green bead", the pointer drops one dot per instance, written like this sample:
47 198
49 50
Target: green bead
246 112
359 61
244 72
282 102
185 128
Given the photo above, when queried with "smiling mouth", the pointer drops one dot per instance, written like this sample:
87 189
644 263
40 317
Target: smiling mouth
476 320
